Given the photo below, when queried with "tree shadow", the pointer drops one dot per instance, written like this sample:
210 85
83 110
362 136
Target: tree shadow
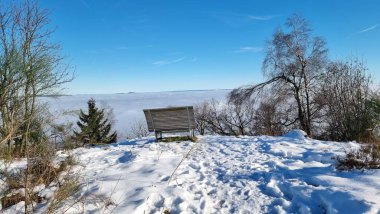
136 142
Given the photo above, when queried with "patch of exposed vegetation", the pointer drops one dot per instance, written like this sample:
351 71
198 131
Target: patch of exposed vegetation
366 157
179 139
39 172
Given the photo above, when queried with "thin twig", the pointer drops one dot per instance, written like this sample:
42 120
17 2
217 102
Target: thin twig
183 158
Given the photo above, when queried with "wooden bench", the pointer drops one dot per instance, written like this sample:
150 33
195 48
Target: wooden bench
174 119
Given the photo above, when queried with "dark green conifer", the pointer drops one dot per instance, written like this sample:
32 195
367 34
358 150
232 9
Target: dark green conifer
94 128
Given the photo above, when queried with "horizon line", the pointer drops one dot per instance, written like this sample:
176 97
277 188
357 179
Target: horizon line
133 92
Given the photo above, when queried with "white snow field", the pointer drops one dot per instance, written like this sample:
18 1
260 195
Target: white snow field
289 174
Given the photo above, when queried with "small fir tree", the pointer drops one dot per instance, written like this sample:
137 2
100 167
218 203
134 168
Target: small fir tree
94 127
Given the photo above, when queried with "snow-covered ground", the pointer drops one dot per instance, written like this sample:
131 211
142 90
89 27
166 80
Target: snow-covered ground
127 108
289 174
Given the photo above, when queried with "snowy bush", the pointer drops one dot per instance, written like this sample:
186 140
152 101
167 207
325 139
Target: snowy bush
366 157
351 107
43 173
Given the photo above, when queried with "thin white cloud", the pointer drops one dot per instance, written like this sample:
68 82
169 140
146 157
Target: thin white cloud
368 29
178 60
261 18
160 63
237 19
121 48
249 49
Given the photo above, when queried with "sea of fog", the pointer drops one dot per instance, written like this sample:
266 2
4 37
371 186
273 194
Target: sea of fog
127 108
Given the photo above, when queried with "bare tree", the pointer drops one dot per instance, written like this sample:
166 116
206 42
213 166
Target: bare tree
30 66
215 118
295 63
227 118
200 112
351 109
138 129
272 115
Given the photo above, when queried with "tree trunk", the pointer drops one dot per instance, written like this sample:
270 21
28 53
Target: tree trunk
301 113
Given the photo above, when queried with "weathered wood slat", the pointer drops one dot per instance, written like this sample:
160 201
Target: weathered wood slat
170 119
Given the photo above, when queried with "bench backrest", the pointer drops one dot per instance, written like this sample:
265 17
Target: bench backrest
170 119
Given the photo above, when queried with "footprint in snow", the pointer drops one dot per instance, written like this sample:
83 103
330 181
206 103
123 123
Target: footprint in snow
164 178
205 164
194 166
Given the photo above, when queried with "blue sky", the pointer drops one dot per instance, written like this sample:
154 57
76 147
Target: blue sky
143 46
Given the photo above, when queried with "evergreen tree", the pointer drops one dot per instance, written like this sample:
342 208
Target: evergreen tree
94 128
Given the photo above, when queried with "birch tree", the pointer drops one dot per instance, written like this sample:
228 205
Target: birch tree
294 62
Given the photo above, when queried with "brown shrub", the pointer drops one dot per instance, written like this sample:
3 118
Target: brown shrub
366 157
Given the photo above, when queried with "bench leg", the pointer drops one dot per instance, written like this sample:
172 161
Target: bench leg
158 136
